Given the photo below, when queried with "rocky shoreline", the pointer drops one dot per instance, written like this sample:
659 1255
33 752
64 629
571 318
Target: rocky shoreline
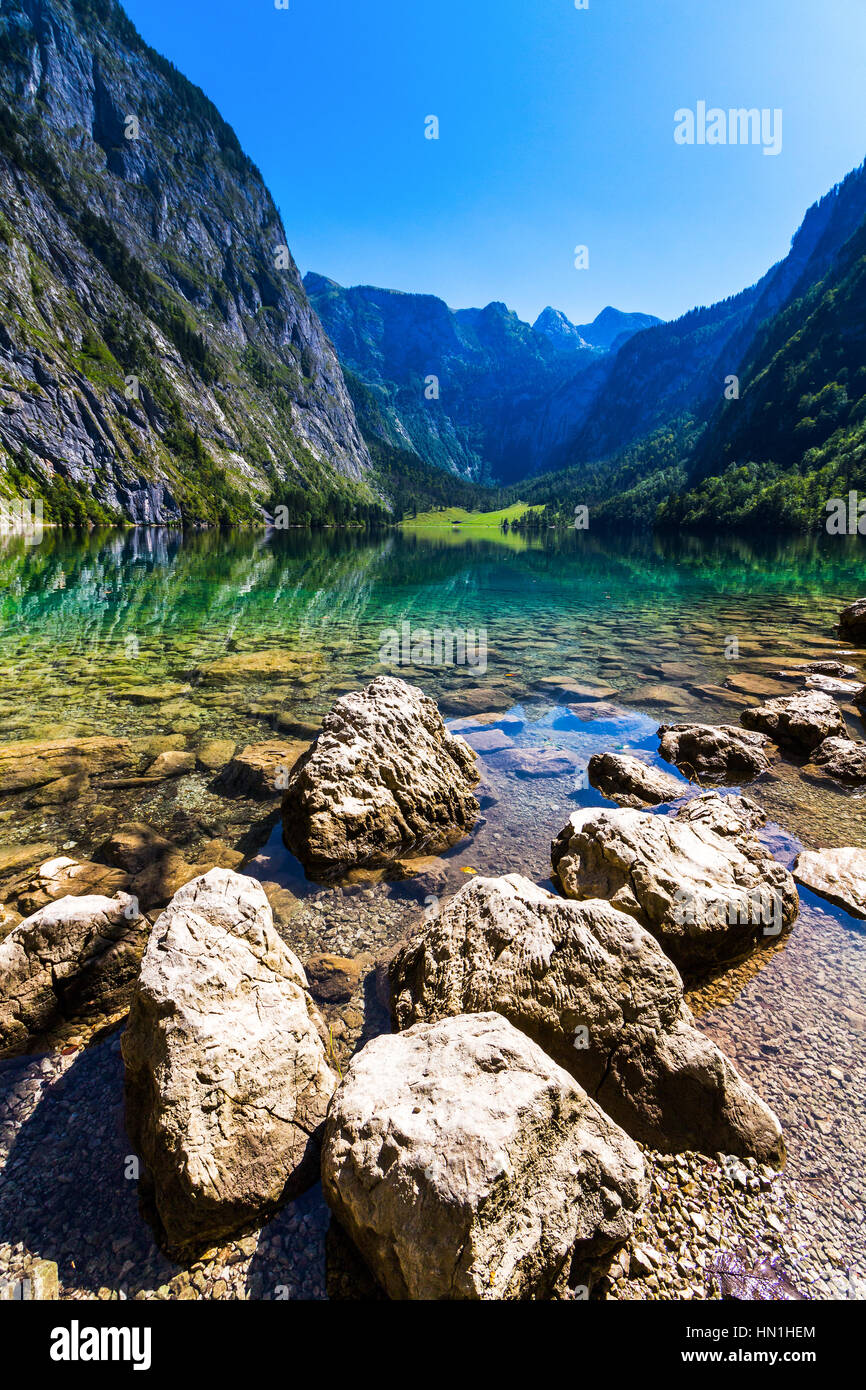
380 819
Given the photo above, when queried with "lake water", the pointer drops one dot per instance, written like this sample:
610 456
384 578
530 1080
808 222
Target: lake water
248 637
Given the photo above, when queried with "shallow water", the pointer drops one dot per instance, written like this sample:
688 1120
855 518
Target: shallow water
115 634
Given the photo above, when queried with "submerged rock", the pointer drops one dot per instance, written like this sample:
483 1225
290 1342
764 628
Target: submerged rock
333 979
536 762
174 762
852 620
574 690
719 753
63 877
261 770
630 782
836 874
76 956
227 1081
842 759
597 992
487 740
801 721
213 754
834 685
465 1164
383 777
133 846
155 865
276 664
598 711
477 699
16 857
63 790
708 897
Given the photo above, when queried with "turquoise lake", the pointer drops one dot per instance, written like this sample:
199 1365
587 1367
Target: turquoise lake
590 642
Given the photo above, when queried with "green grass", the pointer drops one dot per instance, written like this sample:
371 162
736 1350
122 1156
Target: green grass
469 521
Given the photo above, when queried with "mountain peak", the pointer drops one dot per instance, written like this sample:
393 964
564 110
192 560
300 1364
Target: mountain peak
611 324
559 329
610 327
314 283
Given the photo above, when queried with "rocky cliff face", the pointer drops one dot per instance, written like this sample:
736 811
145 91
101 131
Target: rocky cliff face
159 357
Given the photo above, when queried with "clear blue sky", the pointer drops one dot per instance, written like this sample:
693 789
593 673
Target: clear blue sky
556 128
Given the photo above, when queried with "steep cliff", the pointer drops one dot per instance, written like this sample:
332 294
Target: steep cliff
159 358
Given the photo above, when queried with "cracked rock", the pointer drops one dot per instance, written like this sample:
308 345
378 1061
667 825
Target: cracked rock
73 956
382 778
465 1164
699 881
597 992
227 1080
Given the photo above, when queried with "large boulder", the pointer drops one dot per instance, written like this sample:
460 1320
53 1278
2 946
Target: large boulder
836 874
714 753
227 1080
465 1164
852 621
73 957
798 721
597 992
699 881
630 782
843 760
384 776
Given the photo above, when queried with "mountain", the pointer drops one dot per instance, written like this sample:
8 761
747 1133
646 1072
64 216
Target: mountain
665 440
159 358
680 368
608 331
492 372
560 330
796 436
452 386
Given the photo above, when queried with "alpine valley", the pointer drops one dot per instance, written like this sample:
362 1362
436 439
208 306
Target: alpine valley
162 361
